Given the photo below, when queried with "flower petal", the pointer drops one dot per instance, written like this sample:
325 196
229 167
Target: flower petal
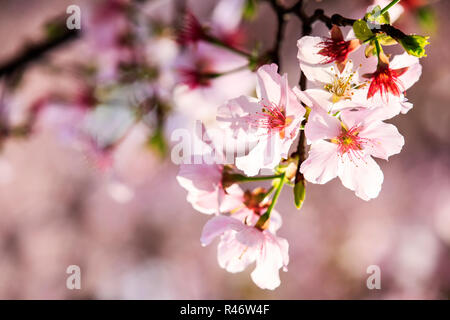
217 226
271 258
321 125
385 139
363 176
269 83
232 255
308 50
322 163
266 154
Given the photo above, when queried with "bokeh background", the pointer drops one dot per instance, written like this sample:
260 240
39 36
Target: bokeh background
133 234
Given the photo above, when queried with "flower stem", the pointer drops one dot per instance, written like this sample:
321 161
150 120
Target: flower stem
390 5
262 222
241 178
378 48
222 44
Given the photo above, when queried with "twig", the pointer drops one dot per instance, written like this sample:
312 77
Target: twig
36 51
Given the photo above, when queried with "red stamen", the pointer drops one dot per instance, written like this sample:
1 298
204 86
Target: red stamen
351 143
271 118
385 81
194 78
335 50
191 30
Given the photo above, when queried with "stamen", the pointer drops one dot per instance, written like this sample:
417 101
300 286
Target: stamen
342 86
271 117
385 81
334 50
349 142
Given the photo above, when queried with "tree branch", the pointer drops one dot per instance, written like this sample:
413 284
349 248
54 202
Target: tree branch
36 51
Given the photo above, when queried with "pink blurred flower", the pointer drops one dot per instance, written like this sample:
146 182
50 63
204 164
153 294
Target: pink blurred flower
208 76
345 147
191 30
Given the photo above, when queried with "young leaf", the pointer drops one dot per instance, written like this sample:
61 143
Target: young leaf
362 30
299 193
375 16
250 8
415 45
386 40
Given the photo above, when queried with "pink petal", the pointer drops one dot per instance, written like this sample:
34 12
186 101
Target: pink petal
321 125
266 154
385 139
270 259
269 83
362 176
217 226
322 163
232 255
308 50
234 115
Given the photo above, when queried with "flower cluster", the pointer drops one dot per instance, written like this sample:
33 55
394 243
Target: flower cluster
354 87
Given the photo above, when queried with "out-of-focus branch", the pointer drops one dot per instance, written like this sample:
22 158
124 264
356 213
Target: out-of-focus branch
34 52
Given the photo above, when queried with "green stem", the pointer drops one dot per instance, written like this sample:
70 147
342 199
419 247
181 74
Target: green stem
266 216
390 5
216 75
241 178
378 48
220 43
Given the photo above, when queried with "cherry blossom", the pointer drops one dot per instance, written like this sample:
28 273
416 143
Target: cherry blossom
208 192
344 147
242 244
270 121
200 89
362 82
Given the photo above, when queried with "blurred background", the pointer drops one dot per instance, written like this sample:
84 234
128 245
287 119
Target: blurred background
83 185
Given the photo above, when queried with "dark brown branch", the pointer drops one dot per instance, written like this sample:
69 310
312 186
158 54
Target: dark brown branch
36 51
281 25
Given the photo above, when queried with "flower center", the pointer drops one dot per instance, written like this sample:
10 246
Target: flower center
196 76
342 86
334 50
349 142
272 117
385 81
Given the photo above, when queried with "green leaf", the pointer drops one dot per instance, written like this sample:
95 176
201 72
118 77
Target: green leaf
415 45
158 142
299 193
375 16
250 9
362 30
386 40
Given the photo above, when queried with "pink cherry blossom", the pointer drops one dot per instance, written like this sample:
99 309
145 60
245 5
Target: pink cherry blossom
361 82
242 244
208 191
344 147
316 53
271 121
